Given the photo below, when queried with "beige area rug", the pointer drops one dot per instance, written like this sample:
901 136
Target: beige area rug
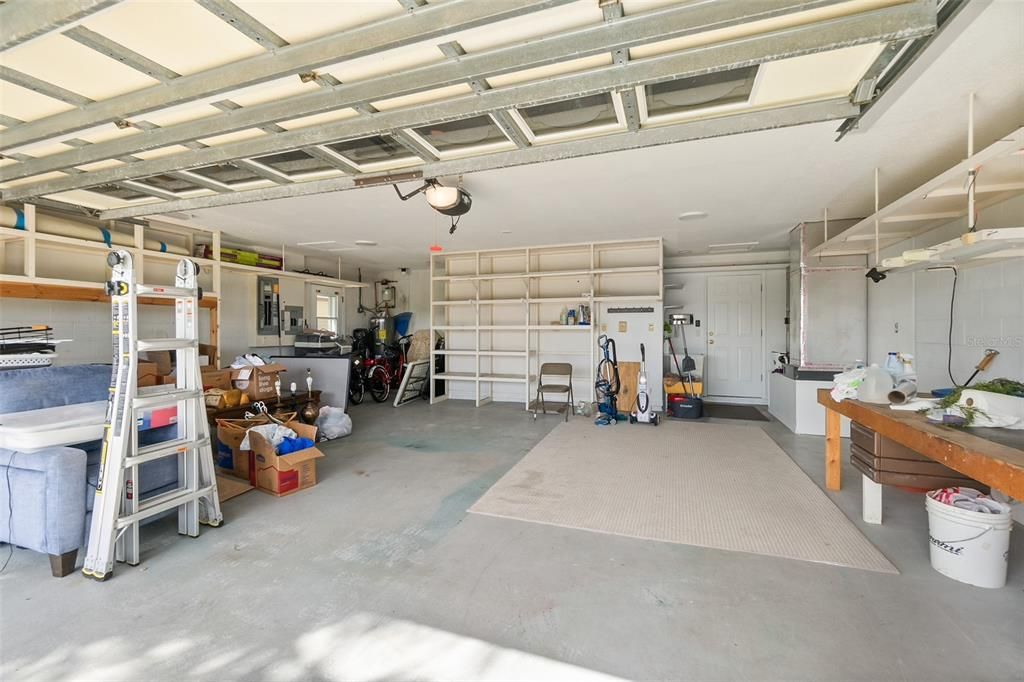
710 485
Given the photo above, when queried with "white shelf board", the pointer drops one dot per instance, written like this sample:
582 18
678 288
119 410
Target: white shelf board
560 353
627 269
560 328
626 299
972 248
562 299
504 378
315 279
456 376
22 279
483 353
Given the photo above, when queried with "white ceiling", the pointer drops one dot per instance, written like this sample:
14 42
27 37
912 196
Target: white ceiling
754 187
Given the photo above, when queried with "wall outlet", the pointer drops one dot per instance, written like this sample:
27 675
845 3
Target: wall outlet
622 326
650 327
604 327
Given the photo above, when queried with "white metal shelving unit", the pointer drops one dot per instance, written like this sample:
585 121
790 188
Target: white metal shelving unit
499 311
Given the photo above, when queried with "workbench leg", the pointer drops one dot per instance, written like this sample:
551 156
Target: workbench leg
871 500
833 451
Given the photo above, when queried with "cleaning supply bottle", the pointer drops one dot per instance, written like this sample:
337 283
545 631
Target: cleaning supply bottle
893 364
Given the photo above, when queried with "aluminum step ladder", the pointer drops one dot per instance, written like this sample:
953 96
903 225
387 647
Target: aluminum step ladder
117 510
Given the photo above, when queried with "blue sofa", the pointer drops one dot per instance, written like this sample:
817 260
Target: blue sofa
49 492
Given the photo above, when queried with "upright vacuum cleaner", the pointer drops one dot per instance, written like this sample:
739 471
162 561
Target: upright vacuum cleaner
644 413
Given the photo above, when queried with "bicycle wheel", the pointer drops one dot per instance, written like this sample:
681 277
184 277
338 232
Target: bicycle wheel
380 387
356 389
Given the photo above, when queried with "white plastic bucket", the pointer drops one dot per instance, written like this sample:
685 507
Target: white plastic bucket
968 546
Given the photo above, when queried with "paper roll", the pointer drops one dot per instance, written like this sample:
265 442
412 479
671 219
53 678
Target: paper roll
904 392
998 410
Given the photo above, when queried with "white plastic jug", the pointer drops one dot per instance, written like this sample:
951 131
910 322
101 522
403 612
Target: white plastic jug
876 386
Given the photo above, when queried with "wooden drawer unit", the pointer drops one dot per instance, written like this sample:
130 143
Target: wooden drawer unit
886 461
864 438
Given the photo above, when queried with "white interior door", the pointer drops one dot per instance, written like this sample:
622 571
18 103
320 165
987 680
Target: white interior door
735 354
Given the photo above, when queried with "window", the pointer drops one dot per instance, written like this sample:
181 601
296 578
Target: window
294 162
226 173
700 92
462 133
371 150
327 311
571 115
118 192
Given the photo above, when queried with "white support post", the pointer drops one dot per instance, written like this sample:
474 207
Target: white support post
871 501
216 265
972 174
877 249
30 240
139 239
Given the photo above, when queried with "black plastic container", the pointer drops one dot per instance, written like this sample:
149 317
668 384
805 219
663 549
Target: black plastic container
683 407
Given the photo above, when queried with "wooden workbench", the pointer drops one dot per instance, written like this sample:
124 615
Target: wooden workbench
994 464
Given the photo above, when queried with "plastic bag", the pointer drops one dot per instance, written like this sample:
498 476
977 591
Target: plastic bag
272 433
333 422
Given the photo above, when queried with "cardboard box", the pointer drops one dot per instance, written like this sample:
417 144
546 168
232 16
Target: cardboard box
219 398
163 359
284 475
147 373
216 378
257 382
229 454
207 355
672 385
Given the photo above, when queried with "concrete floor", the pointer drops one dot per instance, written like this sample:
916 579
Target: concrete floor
379 573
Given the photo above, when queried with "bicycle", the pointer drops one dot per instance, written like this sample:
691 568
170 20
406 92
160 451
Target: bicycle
361 346
385 371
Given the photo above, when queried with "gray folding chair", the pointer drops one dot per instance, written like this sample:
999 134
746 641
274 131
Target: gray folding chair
554 372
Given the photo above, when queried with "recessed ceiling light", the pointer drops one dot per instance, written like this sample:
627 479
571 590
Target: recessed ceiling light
692 215
326 241
365 242
506 231
683 252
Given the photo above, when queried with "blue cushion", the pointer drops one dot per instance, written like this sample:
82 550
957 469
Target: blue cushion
35 388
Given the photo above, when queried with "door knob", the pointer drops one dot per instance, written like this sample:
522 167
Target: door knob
712 342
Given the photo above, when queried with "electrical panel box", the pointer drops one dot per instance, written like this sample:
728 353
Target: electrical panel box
293 321
387 296
268 306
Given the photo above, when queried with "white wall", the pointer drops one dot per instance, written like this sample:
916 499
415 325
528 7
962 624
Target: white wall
645 328
88 325
909 312
412 294
693 296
